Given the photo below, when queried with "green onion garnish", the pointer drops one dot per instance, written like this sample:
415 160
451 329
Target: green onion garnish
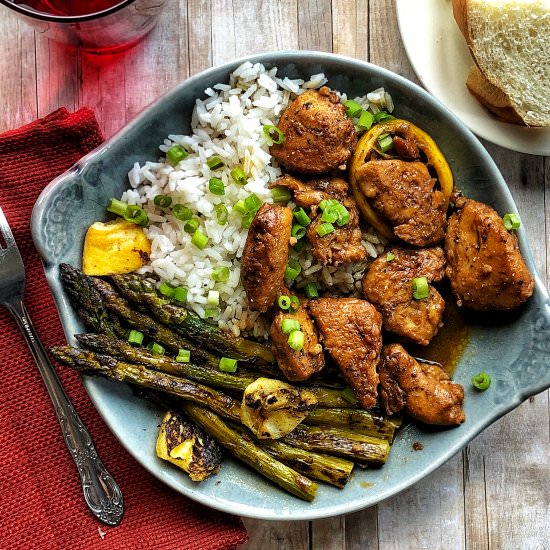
252 203
298 231
220 274
135 337
167 290
211 312
293 269
181 212
296 340
329 214
191 226
180 294
327 203
273 134
311 290
199 239
221 213
390 256
294 304
349 395
238 175
247 218
155 348
240 207
184 356
343 214
216 186
227 364
385 142
382 116
365 120
481 381
280 194
300 245
136 214
283 301
324 229
511 221
352 108
214 163
117 207
301 217
288 325
420 288
163 201
213 298
176 154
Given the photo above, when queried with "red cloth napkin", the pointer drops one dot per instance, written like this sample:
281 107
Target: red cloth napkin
41 503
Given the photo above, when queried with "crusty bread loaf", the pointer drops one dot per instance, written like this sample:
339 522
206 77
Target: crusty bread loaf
510 43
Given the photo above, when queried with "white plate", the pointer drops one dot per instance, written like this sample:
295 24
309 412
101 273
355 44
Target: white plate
441 59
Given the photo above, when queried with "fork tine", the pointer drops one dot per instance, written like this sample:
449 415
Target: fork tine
5 231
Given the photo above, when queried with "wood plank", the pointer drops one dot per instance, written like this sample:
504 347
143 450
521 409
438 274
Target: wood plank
351 24
315 25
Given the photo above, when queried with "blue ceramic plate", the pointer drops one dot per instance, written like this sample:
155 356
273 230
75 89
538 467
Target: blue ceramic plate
516 352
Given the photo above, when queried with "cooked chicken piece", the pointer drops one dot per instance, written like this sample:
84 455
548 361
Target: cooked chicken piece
387 284
343 245
265 255
407 196
311 192
318 136
423 390
297 365
351 331
484 263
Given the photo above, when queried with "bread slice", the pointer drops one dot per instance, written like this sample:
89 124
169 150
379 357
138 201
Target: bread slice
510 43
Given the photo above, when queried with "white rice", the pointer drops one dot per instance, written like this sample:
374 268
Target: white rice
228 123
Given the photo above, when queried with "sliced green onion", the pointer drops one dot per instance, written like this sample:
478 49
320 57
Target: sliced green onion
293 269
117 207
511 221
221 213
283 301
136 214
135 337
365 120
176 154
214 163
180 294
343 214
163 201
352 108
247 218
183 356
481 381
301 217
213 298
211 312
420 288
385 142
199 239
220 274
296 340
294 304
240 207
300 245
238 175
288 325
167 290
327 203
324 229
216 186
280 194
252 203
181 212
191 226
227 364
390 256
311 290
155 348
298 231
273 134
382 116
329 215
349 395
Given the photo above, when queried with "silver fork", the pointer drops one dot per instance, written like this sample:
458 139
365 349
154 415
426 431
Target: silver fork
101 492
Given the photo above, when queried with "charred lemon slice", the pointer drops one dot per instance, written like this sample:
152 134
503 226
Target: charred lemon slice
373 145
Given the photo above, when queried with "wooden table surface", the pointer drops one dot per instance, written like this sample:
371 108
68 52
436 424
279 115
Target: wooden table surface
496 493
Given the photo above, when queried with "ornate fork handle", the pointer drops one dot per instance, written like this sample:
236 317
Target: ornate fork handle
101 491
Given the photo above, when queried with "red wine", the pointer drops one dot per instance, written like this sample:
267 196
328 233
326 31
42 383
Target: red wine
67 7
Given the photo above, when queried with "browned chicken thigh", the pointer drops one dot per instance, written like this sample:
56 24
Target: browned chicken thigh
351 331
484 263
265 255
387 284
310 193
423 390
297 365
406 195
318 136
